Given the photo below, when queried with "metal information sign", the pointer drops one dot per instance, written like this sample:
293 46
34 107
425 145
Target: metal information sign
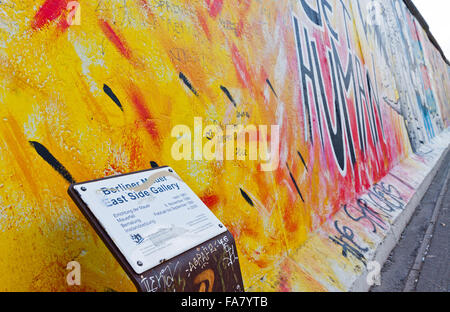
149 217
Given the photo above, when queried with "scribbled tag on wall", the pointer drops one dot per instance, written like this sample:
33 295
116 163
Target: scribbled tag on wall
211 267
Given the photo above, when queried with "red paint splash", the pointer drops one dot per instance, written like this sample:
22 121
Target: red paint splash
240 28
244 7
147 8
141 108
204 24
241 68
210 200
284 278
115 39
214 6
48 12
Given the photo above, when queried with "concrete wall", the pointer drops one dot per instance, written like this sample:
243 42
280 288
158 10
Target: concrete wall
355 86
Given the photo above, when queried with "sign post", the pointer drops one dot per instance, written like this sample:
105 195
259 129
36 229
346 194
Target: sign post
161 233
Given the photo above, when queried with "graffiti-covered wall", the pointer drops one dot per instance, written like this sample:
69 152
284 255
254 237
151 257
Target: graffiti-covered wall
95 89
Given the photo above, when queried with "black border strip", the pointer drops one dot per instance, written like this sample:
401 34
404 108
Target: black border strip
414 11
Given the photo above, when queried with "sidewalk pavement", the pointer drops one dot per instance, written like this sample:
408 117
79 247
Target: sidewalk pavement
434 272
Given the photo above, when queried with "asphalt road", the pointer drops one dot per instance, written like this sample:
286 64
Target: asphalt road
434 274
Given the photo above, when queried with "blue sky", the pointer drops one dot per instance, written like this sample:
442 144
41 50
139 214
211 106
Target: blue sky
437 15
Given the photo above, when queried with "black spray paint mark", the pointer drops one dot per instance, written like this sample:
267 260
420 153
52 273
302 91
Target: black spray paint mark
303 161
227 93
113 97
187 83
386 198
347 241
271 87
344 77
362 211
52 161
246 197
295 183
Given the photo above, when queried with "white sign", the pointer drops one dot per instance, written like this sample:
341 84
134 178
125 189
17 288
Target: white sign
151 216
